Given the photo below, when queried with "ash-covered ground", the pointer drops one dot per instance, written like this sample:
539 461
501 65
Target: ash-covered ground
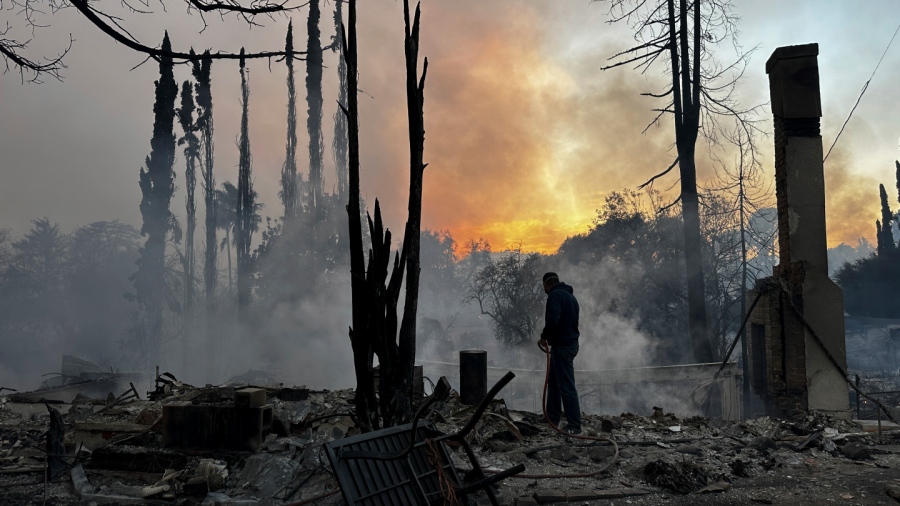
114 454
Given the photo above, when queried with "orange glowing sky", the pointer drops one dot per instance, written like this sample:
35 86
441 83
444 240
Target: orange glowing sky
525 135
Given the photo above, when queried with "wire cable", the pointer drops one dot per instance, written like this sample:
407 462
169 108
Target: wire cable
861 93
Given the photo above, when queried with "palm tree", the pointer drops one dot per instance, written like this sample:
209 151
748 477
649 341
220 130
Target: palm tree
226 219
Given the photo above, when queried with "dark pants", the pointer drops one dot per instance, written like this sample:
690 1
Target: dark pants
561 386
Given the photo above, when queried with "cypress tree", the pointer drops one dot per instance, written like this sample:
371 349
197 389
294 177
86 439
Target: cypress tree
897 164
157 183
201 73
245 204
879 237
885 236
339 143
289 171
314 112
191 152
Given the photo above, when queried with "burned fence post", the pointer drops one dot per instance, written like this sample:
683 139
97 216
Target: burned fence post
56 449
472 376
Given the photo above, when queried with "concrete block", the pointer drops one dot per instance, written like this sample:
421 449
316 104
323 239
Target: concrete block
97 435
249 397
214 426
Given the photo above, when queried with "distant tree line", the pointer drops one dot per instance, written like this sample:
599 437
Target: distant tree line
630 264
870 283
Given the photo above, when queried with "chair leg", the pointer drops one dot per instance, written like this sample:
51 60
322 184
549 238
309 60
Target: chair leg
479 473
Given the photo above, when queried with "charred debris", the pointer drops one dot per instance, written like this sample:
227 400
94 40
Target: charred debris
253 440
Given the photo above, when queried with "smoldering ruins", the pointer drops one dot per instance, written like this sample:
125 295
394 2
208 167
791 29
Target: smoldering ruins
719 363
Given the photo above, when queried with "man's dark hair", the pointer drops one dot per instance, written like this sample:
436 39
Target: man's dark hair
550 276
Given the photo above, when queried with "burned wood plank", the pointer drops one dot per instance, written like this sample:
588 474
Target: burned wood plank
555 496
142 459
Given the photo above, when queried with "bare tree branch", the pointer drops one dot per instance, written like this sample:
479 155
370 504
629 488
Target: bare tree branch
10 48
92 15
661 174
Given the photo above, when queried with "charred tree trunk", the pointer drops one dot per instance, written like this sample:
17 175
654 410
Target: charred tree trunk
314 67
382 318
157 186
244 210
374 303
686 103
415 98
191 152
745 356
201 71
885 234
314 111
339 143
365 387
289 171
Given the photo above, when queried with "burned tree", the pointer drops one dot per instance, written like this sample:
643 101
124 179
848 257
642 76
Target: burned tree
339 143
157 186
897 165
12 47
314 110
245 205
226 219
289 170
885 235
508 292
415 101
700 92
191 153
366 410
201 70
374 327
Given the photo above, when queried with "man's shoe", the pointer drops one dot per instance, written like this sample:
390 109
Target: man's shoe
572 430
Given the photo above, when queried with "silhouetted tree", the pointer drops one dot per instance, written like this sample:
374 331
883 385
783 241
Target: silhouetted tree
438 260
101 257
108 22
157 186
415 101
34 303
636 248
885 235
897 165
191 153
678 32
227 198
226 219
741 183
245 205
289 180
339 142
314 108
374 311
870 285
201 70
509 291
360 341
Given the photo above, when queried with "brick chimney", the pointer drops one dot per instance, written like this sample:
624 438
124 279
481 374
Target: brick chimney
788 368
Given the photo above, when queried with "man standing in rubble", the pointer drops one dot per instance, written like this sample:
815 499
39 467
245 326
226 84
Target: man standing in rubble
561 334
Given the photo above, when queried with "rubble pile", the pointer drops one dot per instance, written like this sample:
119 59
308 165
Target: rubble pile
120 450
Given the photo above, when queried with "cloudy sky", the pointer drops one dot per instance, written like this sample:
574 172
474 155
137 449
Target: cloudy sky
525 135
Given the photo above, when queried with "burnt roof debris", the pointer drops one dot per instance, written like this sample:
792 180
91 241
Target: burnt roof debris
118 448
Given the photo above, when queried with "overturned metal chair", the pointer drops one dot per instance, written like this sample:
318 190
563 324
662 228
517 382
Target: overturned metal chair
410 464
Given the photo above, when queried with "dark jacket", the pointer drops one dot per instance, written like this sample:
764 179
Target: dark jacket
561 317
